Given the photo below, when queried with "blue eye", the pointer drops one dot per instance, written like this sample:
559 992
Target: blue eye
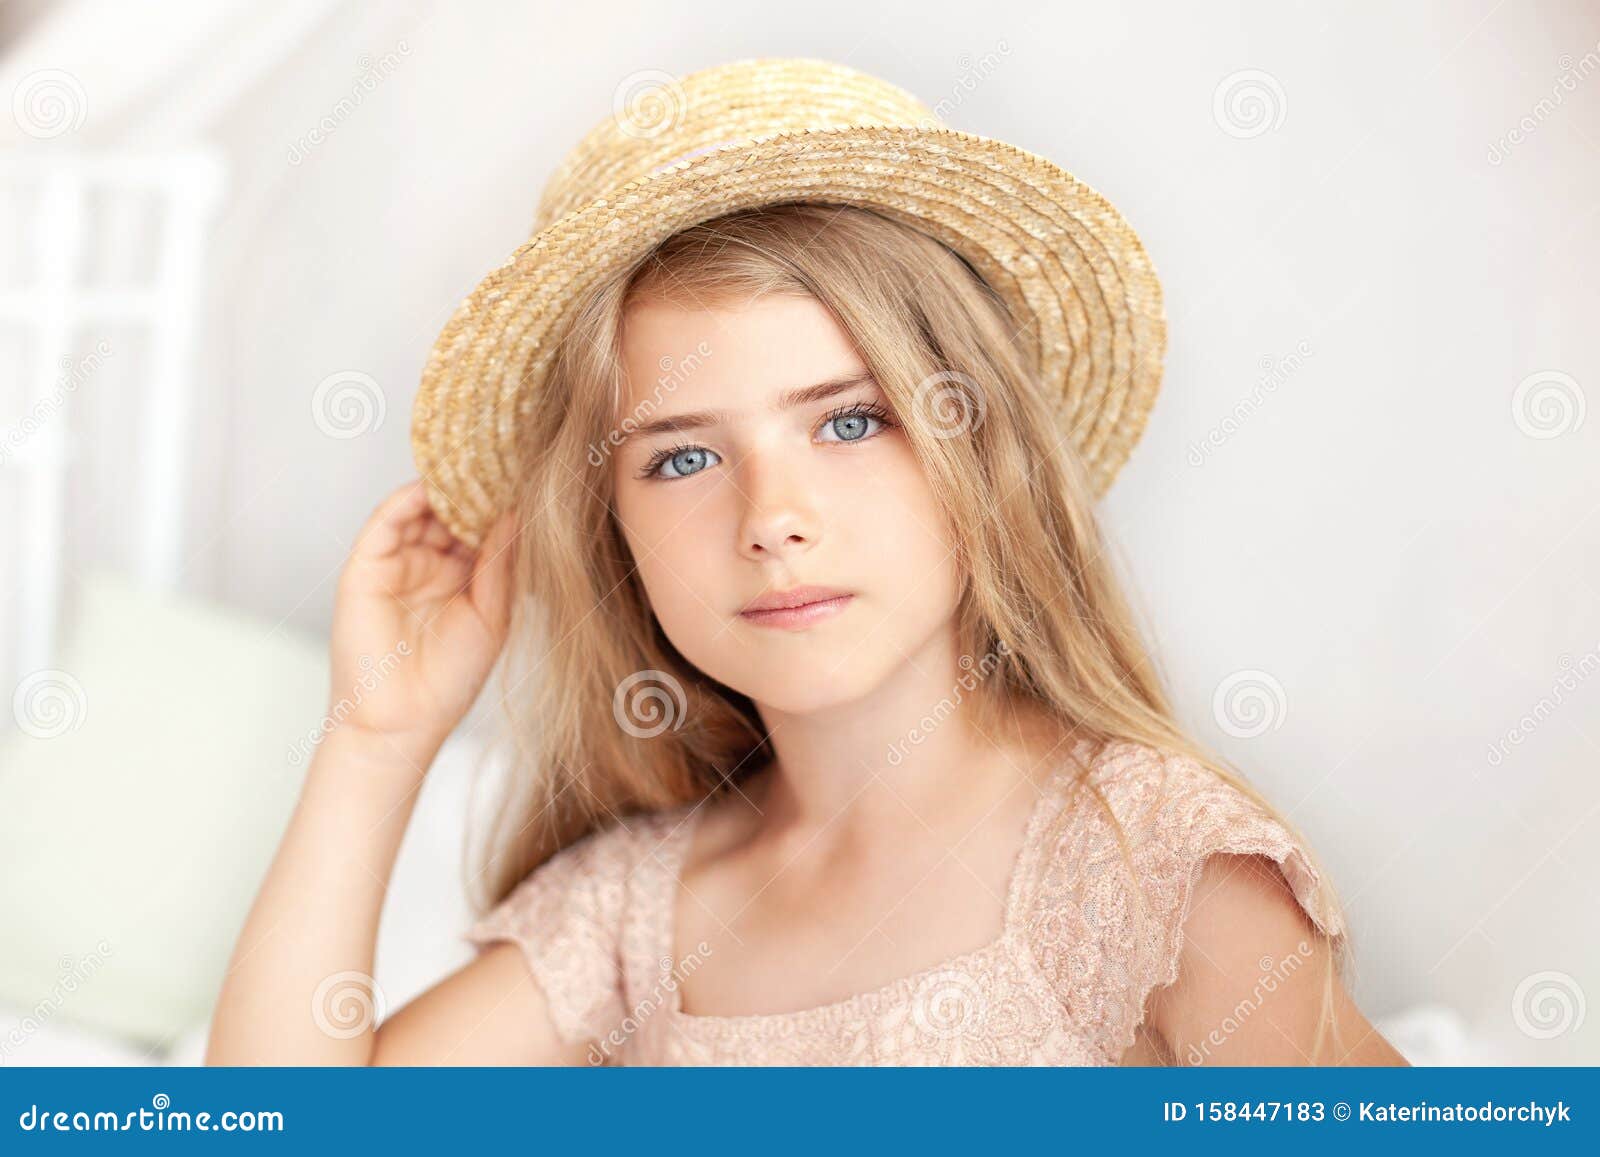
684 462
851 422
850 427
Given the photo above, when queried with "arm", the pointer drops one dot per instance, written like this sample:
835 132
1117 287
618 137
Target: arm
1254 980
299 986
490 1012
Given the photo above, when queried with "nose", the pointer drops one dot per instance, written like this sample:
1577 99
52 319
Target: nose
779 518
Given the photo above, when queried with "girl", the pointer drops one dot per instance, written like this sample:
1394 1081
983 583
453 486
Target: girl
836 742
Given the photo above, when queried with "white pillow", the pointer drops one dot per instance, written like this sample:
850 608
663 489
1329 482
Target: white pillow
144 784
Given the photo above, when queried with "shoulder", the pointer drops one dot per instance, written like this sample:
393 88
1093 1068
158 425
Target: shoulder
1137 841
583 883
567 916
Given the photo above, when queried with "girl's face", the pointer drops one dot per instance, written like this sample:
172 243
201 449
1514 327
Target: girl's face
760 456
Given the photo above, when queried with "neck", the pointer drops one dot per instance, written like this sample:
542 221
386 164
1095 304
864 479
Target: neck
904 755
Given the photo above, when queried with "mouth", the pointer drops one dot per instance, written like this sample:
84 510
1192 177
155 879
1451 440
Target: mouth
799 607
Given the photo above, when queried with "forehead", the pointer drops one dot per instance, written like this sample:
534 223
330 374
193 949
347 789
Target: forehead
716 354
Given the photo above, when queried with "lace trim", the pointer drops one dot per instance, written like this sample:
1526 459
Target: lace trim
1103 959
566 918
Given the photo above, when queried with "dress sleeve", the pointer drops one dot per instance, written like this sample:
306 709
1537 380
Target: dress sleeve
1107 939
566 917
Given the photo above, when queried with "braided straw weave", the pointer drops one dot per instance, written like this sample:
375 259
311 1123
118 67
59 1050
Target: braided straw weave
1072 272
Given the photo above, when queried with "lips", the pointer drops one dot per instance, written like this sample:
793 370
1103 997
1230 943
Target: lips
796 609
792 598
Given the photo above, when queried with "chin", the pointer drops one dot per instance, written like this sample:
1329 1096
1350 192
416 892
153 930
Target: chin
802 688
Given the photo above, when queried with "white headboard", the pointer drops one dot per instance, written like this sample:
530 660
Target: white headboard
70 219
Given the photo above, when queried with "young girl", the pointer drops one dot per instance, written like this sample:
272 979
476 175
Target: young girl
836 742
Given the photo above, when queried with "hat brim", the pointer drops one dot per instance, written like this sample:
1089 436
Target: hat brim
1067 264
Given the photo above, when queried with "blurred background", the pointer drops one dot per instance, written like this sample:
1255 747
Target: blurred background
1363 526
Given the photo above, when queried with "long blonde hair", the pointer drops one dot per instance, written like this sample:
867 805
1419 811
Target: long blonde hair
1039 596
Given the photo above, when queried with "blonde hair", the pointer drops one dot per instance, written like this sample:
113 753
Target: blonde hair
1039 595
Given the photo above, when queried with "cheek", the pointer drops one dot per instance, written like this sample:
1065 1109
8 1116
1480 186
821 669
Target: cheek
682 560
897 521
908 561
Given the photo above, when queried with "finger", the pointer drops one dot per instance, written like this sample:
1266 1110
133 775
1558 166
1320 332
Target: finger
383 532
436 534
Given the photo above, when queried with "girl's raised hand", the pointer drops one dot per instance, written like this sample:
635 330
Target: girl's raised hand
419 618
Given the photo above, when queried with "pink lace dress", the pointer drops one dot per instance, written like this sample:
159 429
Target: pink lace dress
1065 983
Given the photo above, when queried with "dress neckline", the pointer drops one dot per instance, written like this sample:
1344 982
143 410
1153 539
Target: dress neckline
671 864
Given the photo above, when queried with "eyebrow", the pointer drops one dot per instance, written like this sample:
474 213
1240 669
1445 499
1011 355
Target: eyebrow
788 400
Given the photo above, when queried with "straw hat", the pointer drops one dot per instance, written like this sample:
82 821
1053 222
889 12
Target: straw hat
679 151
